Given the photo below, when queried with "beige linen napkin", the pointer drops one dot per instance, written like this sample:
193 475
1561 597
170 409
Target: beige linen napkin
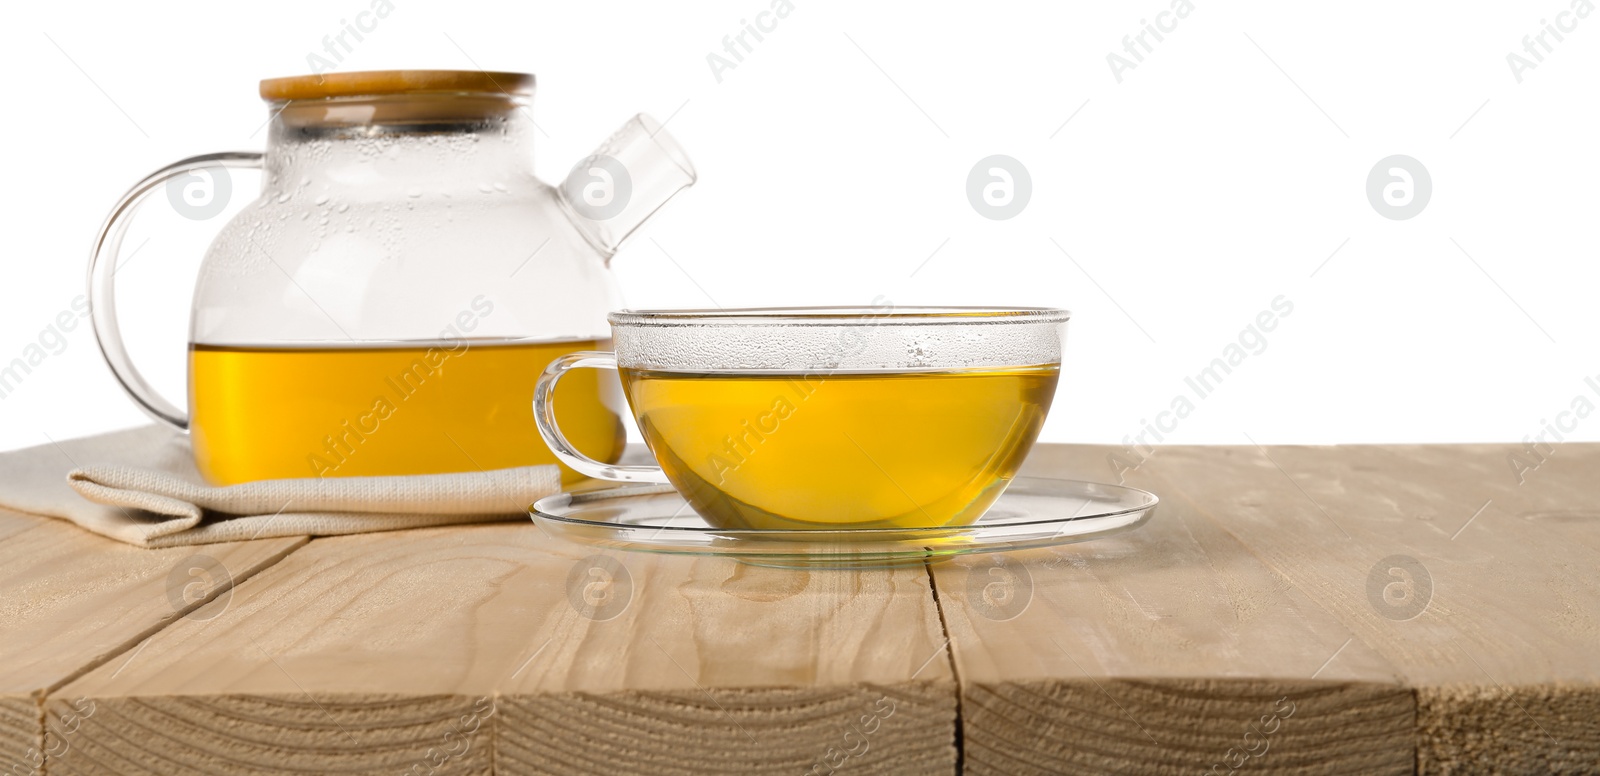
140 486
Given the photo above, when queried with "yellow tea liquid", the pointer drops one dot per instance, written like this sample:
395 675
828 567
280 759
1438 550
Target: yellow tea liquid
881 450
458 406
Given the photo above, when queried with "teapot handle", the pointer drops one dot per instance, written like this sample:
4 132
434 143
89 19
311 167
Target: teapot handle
102 280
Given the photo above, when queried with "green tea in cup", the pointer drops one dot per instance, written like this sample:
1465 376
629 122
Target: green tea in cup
828 417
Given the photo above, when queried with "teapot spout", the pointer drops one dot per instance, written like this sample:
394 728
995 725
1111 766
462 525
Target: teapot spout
613 191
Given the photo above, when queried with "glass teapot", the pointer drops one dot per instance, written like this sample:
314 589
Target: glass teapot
388 302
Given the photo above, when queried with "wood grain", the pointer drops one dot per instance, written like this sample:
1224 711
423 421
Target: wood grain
1505 655
740 669
1170 649
21 735
73 600
692 666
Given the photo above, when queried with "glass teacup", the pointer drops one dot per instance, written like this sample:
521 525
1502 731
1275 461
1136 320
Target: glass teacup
827 417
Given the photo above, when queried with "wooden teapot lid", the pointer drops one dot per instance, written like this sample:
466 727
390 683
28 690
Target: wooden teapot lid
374 83
396 97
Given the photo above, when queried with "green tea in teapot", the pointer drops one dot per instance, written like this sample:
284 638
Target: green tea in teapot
412 408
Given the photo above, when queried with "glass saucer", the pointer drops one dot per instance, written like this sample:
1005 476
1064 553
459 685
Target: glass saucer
1033 512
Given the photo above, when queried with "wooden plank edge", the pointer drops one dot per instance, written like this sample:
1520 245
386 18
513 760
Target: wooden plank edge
900 728
46 740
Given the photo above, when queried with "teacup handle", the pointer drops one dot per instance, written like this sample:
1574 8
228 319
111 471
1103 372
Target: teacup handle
544 416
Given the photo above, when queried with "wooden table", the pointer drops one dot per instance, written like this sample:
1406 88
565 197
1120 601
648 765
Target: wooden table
1288 609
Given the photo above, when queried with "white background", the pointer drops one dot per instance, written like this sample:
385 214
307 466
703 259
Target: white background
1221 172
